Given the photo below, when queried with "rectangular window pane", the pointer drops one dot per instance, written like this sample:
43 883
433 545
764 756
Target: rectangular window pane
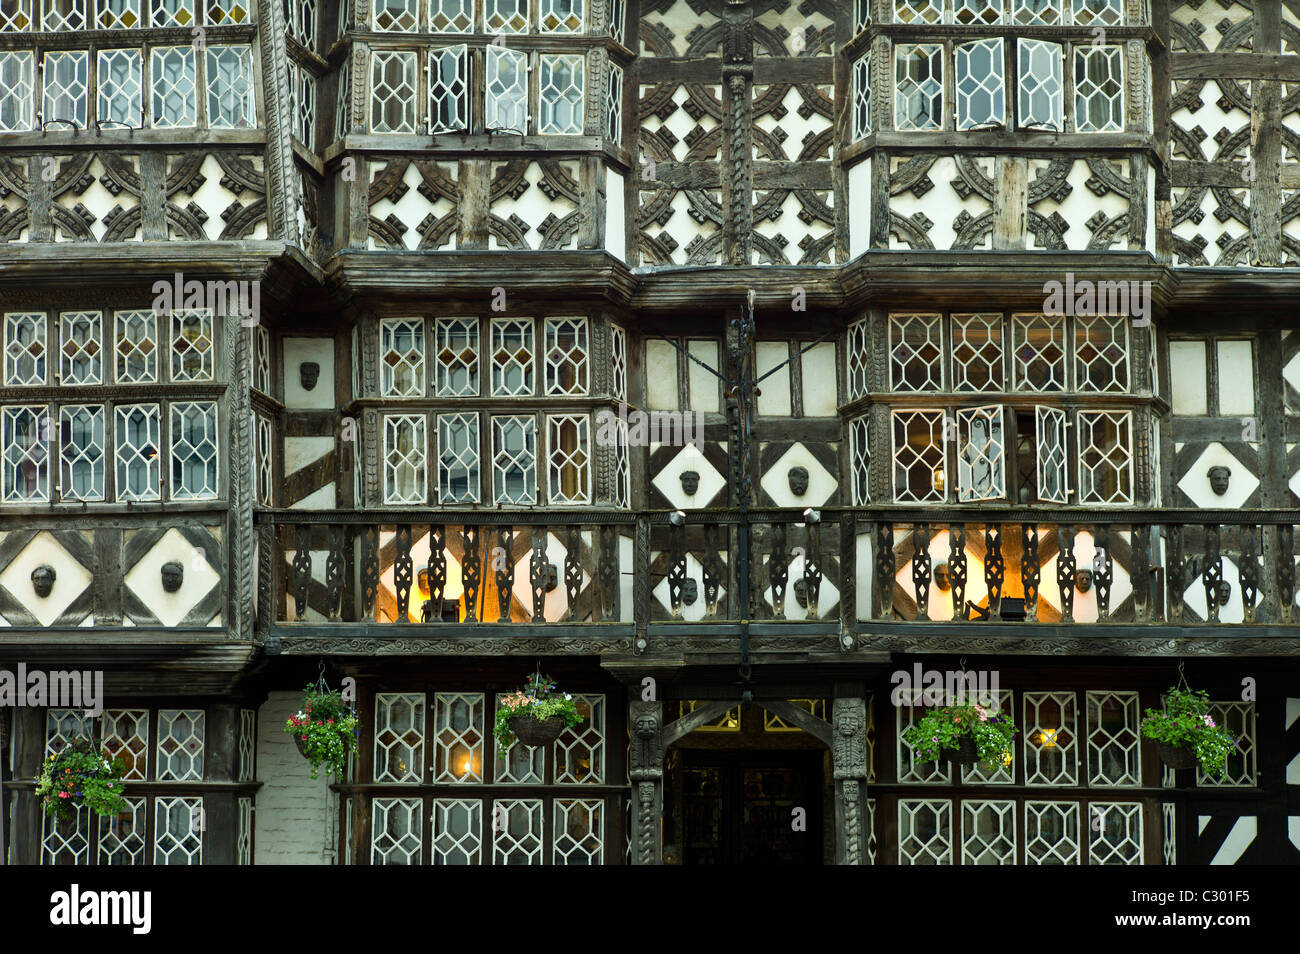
120 91
566 356
1236 378
66 88
918 86
392 92
449 90
16 89
136 353
1105 457
981 88
924 831
230 87
568 472
514 460
614 103
81 446
1114 745
172 77
405 450
191 345
194 451
1040 84
507 89
82 340
399 737
24 432
920 456
136 439
512 356
401 348
1099 89
458 467
862 97
458 357
25 348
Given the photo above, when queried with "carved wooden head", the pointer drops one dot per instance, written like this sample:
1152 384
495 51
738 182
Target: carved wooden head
941 579
690 591
43 580
173 574
1219 479
1083 580
308 375
690 482
798 478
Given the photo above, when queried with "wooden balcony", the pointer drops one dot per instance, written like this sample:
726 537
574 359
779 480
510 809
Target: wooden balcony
853 578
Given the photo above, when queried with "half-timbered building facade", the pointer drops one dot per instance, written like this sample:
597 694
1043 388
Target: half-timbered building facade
735 362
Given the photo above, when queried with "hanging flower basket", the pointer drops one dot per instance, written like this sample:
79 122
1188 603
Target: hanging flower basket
535 715
962 735
966 753
80 776
1186 735
1176 756
325 730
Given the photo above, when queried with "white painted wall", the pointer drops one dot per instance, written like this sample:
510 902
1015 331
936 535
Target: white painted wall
295 817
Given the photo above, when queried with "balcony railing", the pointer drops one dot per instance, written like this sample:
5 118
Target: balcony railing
439 571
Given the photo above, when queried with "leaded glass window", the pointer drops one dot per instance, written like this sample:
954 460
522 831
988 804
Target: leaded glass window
123 837
1038 353
1239 768
399 737
449 100
1036 12
265 462
569 459
458 735
261 363
65 15
244 832
126 737
17 69
66 841
178 831
618 363
457 831
521 764
505 16
300 16
563 81
862 97
16 16
395 15
119 14
458 458
171 71
303 90
918 86
24 433
230 87
67 85
136 347
25 348
191 345
1052 833
180 745
194 451
617 21
81 454
561 16
82 347
579 833
507 90
1051 456
910 770
401 362
1114 753
119 80
918 11
1101 354
457 344
1099 88
916 352
924 831
1092 12
1105 457
136 442
396 832
614 103
1049 739
968 12
167 13
514 460
580 751
920 456
1115 833
343 101
451 16
512 356
221 12
517 831
980 84
405 452
988 833
566 356
977 353
860 460
981 454
1039 83
858 357
392 91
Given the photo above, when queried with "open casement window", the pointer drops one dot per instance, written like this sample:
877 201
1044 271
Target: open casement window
982 454
980 84
1040 84
1049 432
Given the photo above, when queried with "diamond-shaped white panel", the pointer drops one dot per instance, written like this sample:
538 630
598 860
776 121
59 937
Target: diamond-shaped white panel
1196 482
145 578
669 483
70 577
776 481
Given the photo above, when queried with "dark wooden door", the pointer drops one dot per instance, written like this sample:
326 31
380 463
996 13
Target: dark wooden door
738 808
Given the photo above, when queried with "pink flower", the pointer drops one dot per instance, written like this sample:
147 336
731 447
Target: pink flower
1209 722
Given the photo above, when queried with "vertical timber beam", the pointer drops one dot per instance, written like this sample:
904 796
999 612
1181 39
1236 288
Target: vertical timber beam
849 757
737 81
1266 143
646 771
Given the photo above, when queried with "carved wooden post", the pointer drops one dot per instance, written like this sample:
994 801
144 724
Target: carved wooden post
646 771
849 755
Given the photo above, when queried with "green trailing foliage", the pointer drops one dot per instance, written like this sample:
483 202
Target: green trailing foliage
540 699
1186 722
944 728
80 775
327 728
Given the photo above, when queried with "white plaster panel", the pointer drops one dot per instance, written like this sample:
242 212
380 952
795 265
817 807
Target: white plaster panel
774 396
864 578
294 817
820 398
668 480
1085 604
681 19
1236 377
859 192
694 571
70 577
1079 206
661 375
556 603
702 382
412 207
1196 482
940 204
145 578
615 212
776 482
1187 375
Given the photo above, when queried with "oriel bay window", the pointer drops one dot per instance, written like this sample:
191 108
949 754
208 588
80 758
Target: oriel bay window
986 407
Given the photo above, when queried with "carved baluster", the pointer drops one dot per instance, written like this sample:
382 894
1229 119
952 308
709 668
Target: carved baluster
403 571
957 568
537 574
334 572
994 567
676 568
1248 573
503 564
1212 573
1103 570
1140 572
1030 570
573 567
712 570
301 569
778 570
608 570
471 572
1066 567
369 570
885 568
436 572
1174 570
921 568
812 568
1285 573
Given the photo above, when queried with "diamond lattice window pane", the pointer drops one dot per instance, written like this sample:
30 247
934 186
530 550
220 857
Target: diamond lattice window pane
618 21
1101 353
449 90
561 94
396 831
180 745
1036 12
178 831
343 102
230 87
392 92
458 734
579 831
614 103
1115 833
136 347
568 472
1050 739
451 16
918 86
1114 749
1051 471
517 831
120 78
16 90
173 93
228 11
458 366
265 461
860 460
66 88
81 452
1051 833
405 453
967 12
66 841
119 14
981 87
25 436
1094 12
514 460
1099 89
123 837
512 356
81 334
1239 768
458 463
396 15
505 16
25 348
194 451
172 13
566 356
920 456
136 440
924 831
16 16
457 831
981 454
918 11
977 352
916 352
63 14
580 751
507 89
988 833
126 737
1105 457
862 97
191 346
300 16
1038 352
858 358
1040 85
399 737
401 348
303 89
561 16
